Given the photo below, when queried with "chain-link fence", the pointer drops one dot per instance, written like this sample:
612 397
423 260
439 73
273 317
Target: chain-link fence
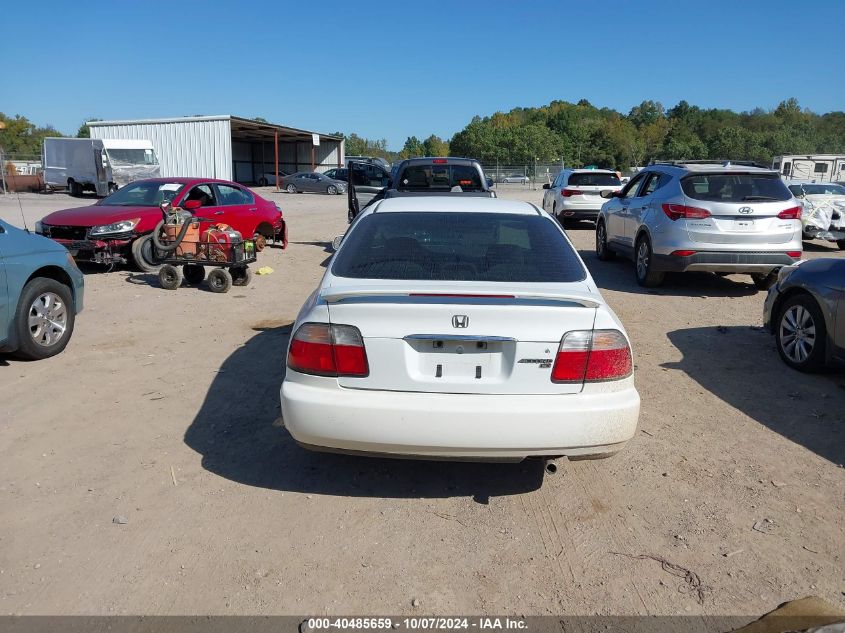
20 172
529 175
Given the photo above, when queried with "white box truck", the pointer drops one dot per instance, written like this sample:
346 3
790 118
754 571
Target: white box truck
98 165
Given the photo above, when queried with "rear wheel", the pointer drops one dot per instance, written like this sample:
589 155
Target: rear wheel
74 188
764 282
262 182
291 188
44 318
801 333
170 277
603 252
142 254
194 273
644 260
219 280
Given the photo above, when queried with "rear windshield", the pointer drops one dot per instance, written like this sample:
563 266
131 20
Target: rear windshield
597 180
735 187
440 178
458 247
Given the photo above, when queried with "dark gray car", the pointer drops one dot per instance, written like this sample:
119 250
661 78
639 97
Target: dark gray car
312 181
805 310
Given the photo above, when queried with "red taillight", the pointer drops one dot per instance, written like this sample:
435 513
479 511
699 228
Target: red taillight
566 193
328 350
790 214
683 253
794 254
678 211
439 161
597 356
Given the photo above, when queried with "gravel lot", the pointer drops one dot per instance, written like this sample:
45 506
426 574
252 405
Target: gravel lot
164 410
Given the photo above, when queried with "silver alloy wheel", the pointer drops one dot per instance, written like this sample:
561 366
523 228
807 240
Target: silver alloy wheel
797 333
47 319
291 188
643 256
332 190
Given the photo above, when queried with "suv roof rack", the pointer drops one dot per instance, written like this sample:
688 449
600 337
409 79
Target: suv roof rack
723 163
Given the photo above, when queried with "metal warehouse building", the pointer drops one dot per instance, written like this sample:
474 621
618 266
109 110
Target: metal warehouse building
226 146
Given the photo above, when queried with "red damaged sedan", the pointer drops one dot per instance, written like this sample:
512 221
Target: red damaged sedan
117 229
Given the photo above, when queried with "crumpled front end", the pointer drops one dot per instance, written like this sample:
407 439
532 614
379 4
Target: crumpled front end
823 217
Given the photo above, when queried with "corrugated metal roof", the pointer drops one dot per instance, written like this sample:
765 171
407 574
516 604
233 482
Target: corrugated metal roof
238 124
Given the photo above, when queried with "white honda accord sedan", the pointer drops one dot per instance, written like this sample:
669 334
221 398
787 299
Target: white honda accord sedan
459 328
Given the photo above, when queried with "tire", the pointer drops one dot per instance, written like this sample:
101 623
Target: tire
644 265
801 334
764 282
262 182
193 273
170 277
554 211
603 251
74 189
44 318
241 276
219 280
331 190
112 187
841 244
142 254
291 188
260 242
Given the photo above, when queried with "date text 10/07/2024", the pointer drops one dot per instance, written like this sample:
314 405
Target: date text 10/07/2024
415 623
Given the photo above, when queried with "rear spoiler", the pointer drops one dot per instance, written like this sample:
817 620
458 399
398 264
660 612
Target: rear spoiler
434 295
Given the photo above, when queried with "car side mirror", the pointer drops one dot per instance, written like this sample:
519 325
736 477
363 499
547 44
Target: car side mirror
336 242
192 205
546 185
608 193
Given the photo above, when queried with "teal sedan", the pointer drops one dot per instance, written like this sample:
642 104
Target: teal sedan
41 292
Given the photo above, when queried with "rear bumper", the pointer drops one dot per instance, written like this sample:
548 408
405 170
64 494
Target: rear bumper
728 262
320 414
580 211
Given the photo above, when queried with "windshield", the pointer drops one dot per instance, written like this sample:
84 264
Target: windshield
458 247
597 179
440 178
132 156
817 189
736 187
144 193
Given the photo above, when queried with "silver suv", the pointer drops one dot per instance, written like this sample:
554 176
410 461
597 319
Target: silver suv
719 217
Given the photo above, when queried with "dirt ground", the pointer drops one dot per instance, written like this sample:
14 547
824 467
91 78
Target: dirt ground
164 410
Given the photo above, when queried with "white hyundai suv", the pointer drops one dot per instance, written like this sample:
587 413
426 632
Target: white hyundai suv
455 327
576 193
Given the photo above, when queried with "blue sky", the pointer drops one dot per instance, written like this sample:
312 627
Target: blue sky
395 69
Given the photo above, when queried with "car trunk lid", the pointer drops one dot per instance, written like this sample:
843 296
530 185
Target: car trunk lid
469 340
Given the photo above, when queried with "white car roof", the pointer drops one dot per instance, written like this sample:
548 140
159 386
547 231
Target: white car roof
454 204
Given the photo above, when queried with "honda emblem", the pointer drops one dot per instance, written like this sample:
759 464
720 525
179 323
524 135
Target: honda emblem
460 321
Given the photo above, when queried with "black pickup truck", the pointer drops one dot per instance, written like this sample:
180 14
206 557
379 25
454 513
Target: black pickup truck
424 177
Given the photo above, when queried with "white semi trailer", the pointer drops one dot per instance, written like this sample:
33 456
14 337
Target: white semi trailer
814 167
98 165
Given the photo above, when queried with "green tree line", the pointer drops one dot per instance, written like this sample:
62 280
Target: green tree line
582 134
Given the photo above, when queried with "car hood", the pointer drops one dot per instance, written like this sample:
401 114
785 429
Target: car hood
24 242
95 215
